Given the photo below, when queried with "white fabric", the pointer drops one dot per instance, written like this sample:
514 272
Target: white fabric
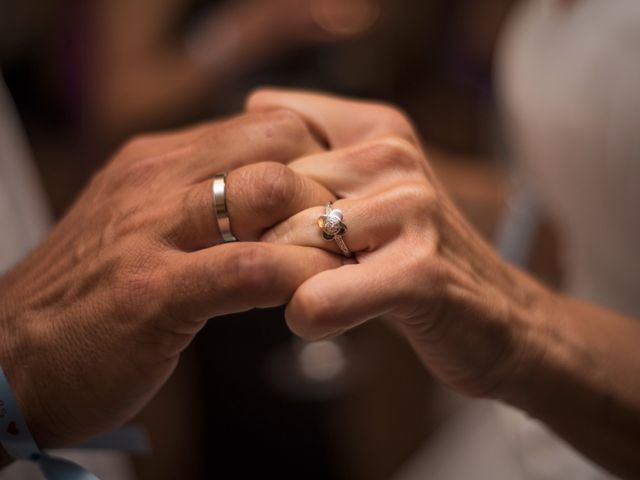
569 79
571 88
24 217
24 221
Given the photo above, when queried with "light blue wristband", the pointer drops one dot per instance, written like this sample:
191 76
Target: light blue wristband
18 442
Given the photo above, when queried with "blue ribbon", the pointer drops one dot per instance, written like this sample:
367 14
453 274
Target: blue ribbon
19 443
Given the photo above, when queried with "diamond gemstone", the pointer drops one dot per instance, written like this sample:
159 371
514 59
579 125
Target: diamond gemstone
332 225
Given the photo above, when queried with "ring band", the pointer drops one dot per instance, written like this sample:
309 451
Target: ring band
343 246
333 228
220 203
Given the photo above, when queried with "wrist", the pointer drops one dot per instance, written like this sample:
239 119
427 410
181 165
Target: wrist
8 326
531 333
6 339
15 355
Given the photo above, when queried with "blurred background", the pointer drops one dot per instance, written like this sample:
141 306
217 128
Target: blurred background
248 399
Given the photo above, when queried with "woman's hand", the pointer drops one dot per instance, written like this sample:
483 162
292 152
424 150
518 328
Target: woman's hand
93 321
480 325
419 264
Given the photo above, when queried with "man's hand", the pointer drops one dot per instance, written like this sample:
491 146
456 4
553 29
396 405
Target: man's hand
93 321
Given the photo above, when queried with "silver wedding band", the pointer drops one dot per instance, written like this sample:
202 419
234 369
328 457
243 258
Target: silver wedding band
220 203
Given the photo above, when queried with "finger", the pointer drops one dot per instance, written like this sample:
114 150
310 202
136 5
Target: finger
236 277
158 143
361 236
258 196
262 195
277 136
341 122
364 169
371 222
150 144
337 300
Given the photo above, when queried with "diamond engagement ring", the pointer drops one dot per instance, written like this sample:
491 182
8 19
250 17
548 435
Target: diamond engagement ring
333 228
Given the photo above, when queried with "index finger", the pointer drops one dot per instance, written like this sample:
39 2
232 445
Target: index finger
339 121
235 277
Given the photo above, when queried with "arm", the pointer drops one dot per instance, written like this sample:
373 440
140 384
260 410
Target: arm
584 380
480 325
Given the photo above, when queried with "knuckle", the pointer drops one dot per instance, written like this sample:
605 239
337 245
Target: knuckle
260 97
136 146
270 186
139 142
398 152
395 120
287 125
413 196
286 118
139 172
280 184
252 268
420 206
423 262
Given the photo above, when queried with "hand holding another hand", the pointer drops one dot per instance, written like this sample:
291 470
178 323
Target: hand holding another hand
480 325
94 320
419 263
